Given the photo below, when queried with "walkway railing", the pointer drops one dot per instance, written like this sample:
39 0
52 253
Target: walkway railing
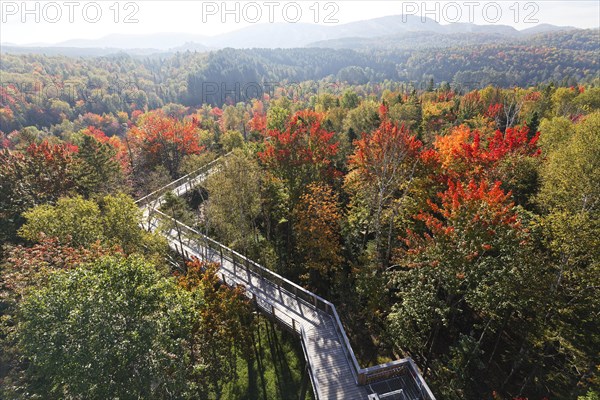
187 179
362 376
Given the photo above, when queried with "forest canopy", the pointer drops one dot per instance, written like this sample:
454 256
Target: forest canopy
446 200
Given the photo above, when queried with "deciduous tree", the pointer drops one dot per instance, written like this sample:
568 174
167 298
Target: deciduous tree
42 173
317 219
382 166
161 140
234 201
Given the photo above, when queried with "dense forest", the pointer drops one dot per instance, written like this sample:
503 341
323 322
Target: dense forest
43 91
446 205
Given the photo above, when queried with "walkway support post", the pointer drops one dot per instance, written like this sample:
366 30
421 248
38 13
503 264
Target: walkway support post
304 384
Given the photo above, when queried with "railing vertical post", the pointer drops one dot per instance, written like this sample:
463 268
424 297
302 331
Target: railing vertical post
200 245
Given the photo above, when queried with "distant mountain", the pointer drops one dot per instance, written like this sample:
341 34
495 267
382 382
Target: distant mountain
192 46
397 31
546 28
447 36
387 26
278 35
76 51
284 35
160 41
414 41
485 29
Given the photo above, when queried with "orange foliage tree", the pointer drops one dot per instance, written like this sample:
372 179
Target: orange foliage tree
510 157
161 140
381 168
318 240
465 152
301 154
258 122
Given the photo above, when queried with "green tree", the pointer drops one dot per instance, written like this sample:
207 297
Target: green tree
554 132
464 283
120 218
570 176
591 395
232 140
115 329
570 197
72 220
277 118
114 221
363 119
235 200
562 101
350 99
96 170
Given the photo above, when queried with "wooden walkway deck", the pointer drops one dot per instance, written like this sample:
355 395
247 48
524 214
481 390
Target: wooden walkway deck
331 372
333 369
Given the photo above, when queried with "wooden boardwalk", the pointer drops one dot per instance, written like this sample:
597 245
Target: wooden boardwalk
332 366
330 370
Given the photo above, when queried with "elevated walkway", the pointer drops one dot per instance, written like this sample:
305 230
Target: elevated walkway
332 365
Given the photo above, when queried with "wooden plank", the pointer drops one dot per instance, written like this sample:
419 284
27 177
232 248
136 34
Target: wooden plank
331 369
325 350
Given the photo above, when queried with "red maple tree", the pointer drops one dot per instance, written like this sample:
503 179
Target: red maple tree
159 139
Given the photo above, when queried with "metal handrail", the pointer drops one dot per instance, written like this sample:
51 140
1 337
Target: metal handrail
313 381
143 201
297 291
361 375
296 327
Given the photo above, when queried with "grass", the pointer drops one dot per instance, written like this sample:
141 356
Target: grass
274 370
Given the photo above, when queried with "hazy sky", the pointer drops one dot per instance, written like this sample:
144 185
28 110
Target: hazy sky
94 19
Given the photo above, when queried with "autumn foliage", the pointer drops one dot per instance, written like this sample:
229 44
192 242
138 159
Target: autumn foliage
382 168
302 154
43 172
114 142
486 206
469 153
258 122
383 151
304 144
161 140
318 217
223 308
